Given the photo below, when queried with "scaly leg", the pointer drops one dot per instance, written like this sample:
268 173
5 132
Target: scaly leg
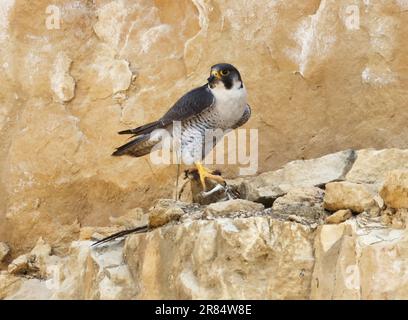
206 173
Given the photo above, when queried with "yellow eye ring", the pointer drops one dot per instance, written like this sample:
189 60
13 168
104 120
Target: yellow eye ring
224 72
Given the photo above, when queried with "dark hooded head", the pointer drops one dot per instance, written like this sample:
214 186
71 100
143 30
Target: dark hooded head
225 73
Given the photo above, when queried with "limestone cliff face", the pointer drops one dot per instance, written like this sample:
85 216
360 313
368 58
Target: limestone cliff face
317 82
338 231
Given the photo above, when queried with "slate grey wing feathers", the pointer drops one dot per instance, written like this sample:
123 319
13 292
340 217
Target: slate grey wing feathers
191 104
138 147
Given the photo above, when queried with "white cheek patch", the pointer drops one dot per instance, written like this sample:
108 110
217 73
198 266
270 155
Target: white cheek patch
219 86
230 104
236 84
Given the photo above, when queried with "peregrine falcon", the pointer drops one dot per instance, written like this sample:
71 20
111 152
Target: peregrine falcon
219 104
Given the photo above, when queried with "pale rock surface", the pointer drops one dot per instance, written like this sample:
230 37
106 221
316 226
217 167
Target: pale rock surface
20 265
223 259
301 173
34 263
396 218
226 208
256 257
348 195
4 251
9 284
83 274
111 75
256 254
379 201
316 82
395 189
164 211
88 233
134 217
31 289
305 202
339 216
360 260
372 166
62 83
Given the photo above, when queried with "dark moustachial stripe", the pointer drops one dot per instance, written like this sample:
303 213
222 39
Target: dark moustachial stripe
228 83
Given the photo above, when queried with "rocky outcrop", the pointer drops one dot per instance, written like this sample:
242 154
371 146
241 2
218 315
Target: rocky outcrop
339 216
360 259
317 240
257 257
305 202
4 251
348 195
301 173
395 189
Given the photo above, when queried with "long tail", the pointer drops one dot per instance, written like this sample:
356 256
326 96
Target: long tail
120 234
141 144
138 147
147 128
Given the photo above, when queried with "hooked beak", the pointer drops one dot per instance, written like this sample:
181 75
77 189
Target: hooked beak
214 75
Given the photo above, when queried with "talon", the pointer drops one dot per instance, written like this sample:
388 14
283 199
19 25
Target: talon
217 188
205 173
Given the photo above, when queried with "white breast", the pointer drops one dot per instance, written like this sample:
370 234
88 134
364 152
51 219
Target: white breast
229 104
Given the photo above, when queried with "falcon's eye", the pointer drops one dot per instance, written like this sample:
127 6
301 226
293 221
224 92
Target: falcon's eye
224 72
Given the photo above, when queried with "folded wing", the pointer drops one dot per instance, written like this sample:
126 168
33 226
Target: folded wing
190 105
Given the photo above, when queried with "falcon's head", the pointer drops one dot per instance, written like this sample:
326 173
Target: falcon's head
226 74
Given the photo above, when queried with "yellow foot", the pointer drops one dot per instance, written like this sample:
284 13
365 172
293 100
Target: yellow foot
205 173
